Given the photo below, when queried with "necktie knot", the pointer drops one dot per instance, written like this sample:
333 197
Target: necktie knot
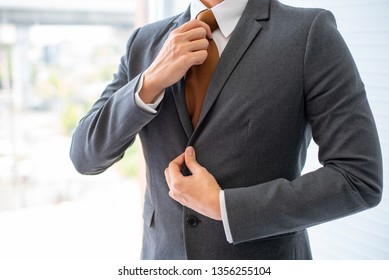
208 17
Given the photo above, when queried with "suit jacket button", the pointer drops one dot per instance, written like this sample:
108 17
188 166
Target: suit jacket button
192 221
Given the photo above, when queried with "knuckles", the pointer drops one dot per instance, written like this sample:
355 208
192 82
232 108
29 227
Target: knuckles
175 38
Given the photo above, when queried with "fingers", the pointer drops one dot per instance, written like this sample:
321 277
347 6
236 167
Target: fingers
193 24
195 45
178 161
192 36
174 178
185 46
190 160
173 171
195 34
199 192
198 45
197 58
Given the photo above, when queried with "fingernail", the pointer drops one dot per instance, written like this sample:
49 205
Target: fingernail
190 150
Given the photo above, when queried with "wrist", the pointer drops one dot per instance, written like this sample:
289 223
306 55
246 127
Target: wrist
217 211
150 90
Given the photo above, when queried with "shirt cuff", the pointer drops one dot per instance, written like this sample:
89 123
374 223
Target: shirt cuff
150 108
226 225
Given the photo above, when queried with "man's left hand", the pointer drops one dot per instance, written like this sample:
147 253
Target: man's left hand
199 191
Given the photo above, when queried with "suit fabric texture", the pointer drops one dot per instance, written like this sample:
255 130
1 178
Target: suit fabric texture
285 76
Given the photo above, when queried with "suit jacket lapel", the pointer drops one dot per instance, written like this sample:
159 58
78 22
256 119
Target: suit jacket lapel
178 89
245 32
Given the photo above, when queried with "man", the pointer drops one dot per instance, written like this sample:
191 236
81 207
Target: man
227 184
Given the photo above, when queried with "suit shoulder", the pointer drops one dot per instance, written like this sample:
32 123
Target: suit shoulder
304 11
295 13
300 18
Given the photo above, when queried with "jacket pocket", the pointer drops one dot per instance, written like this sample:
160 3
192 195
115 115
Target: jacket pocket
148 214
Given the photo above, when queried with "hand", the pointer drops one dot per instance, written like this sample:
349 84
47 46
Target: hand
186 46
199 191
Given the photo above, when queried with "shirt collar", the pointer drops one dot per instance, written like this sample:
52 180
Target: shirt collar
227 13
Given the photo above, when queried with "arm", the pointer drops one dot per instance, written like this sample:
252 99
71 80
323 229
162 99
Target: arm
110 127
343 127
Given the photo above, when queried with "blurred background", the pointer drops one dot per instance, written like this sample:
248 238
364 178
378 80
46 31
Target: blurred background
56 58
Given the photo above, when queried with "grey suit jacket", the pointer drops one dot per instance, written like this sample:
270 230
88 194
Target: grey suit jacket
286 75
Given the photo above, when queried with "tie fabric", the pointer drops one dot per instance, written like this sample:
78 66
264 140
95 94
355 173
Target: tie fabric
198 76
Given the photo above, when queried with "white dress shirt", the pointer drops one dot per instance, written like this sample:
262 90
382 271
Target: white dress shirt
227 15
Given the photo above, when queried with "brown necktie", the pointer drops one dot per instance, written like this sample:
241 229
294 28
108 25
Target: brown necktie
198 76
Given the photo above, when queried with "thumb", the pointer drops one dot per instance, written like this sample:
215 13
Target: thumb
190 160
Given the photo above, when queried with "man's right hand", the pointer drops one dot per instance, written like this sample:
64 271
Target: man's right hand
186 46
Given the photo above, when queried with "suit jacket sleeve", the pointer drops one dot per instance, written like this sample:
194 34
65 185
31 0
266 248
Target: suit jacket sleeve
343 127
110 127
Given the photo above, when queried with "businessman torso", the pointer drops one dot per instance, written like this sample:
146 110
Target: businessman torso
253 119
254 128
